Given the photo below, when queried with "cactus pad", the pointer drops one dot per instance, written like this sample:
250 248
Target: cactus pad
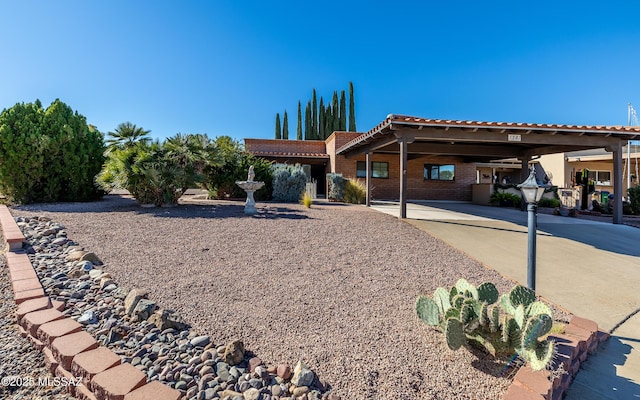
519 316
522 295
488 293
506 305
494 323
510 332
466 313
427 310
457 301
542 357
462 285
535 327
441 297
454 333
537 308
484 314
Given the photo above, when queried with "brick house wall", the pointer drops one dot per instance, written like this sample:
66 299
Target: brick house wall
286 146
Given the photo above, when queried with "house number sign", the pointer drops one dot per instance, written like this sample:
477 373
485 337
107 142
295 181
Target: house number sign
514 138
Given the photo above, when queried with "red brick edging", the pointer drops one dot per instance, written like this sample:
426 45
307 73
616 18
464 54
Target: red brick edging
89 371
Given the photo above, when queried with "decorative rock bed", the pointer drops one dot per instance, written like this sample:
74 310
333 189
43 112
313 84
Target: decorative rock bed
118 339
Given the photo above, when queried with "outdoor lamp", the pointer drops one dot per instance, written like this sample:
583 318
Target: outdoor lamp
532 193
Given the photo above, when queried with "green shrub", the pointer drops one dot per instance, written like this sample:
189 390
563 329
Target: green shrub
336 187
634 199
549 202
289 182
233 165
355 191
48 155
505 199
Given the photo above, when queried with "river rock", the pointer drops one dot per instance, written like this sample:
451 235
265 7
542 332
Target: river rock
251 394
164 320
144 309
132 299
302 375
234 352
88 317
284 371
92 258
200 341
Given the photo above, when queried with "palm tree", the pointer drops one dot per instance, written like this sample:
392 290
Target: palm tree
126 135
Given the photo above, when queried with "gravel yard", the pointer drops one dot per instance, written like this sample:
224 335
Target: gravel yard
333 285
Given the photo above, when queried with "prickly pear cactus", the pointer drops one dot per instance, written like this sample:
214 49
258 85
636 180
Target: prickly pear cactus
521 295
454 333
536 326
463 286
542 356
494 324
441 297
427 310
487 293
484 314
537 308
506 305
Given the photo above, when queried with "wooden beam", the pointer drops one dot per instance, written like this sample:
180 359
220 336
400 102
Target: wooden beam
371 147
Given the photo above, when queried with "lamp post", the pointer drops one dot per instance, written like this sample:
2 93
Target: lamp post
532 193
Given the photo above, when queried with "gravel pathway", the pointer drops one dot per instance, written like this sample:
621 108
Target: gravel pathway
333 285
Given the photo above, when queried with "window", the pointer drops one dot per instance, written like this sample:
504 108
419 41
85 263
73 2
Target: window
602 178
435 172
378 169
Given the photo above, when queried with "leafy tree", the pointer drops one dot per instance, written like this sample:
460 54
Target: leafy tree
285 126
352 110
278 130
343 112
48 155
299 128
233 166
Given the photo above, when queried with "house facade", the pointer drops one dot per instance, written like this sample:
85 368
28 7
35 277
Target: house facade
407 157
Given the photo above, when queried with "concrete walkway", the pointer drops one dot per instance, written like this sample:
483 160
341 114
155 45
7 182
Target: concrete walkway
590 268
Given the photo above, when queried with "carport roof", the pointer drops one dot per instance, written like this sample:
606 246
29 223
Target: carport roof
521 137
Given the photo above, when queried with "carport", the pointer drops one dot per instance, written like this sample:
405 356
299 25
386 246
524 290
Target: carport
483 142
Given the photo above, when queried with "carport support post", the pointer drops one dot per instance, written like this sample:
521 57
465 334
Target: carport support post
368 178
617 184
531 252
403 176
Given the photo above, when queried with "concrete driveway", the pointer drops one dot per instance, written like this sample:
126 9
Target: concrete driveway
590 268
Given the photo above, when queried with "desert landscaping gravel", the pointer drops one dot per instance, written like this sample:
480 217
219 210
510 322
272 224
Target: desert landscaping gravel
333 285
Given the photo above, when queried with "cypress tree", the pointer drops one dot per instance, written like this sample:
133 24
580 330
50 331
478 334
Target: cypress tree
299 129
335 112
328 116
314 115
278 131
343 112
308 135
352 110
321 131
285 126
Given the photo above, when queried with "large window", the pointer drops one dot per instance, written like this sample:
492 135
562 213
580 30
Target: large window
602 178
378 169
436 172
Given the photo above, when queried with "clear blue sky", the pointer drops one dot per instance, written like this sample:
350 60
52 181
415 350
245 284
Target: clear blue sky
227 67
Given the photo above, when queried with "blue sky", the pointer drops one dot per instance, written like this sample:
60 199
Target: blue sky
227 67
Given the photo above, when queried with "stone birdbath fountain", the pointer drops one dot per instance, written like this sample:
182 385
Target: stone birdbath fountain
250 186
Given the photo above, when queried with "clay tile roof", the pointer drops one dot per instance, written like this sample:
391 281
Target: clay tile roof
633 132
289 154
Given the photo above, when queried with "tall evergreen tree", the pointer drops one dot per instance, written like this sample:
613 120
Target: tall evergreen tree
285 126
335 112
314 115
299 128
278 130
328 120
321 133
343 112
352 110
308 135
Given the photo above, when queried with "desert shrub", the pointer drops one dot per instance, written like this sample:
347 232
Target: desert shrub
307 200
634 199
157 173
505 199
289 182
48 155
233 165
549 202
355 191
336 186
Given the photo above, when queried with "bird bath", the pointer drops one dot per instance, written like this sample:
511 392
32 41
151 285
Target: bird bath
250 186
